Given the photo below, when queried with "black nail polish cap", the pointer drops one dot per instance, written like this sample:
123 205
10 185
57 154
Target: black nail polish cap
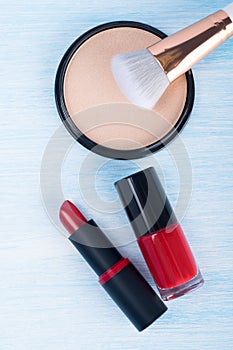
145 202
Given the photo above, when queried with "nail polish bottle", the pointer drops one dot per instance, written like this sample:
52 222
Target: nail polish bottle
159 234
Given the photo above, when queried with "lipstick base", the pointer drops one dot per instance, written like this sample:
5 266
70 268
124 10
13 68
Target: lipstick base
135 297
172 293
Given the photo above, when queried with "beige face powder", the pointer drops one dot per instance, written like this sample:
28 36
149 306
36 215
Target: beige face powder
95 106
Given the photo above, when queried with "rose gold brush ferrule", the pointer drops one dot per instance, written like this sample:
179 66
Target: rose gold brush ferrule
179 52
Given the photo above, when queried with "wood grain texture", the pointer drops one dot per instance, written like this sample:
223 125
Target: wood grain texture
49 298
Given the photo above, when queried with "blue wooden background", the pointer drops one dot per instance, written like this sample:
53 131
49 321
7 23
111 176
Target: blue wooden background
49 298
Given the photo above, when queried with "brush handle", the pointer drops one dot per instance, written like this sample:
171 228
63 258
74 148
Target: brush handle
179 52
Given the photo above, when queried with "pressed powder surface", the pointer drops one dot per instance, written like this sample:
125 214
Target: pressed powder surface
96 104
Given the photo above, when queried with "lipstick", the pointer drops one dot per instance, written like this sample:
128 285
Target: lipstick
159 234
117 275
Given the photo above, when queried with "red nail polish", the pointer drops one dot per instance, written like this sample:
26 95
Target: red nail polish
160 236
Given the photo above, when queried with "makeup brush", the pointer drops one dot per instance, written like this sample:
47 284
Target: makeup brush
143 76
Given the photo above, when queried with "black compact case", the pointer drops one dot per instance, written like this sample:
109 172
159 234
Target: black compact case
79 135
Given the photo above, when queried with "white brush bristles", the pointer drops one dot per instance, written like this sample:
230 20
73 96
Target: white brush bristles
229 10
140 77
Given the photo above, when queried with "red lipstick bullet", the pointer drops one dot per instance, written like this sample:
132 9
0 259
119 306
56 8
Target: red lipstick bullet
71 217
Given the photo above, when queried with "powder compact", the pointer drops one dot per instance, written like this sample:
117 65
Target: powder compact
95 111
